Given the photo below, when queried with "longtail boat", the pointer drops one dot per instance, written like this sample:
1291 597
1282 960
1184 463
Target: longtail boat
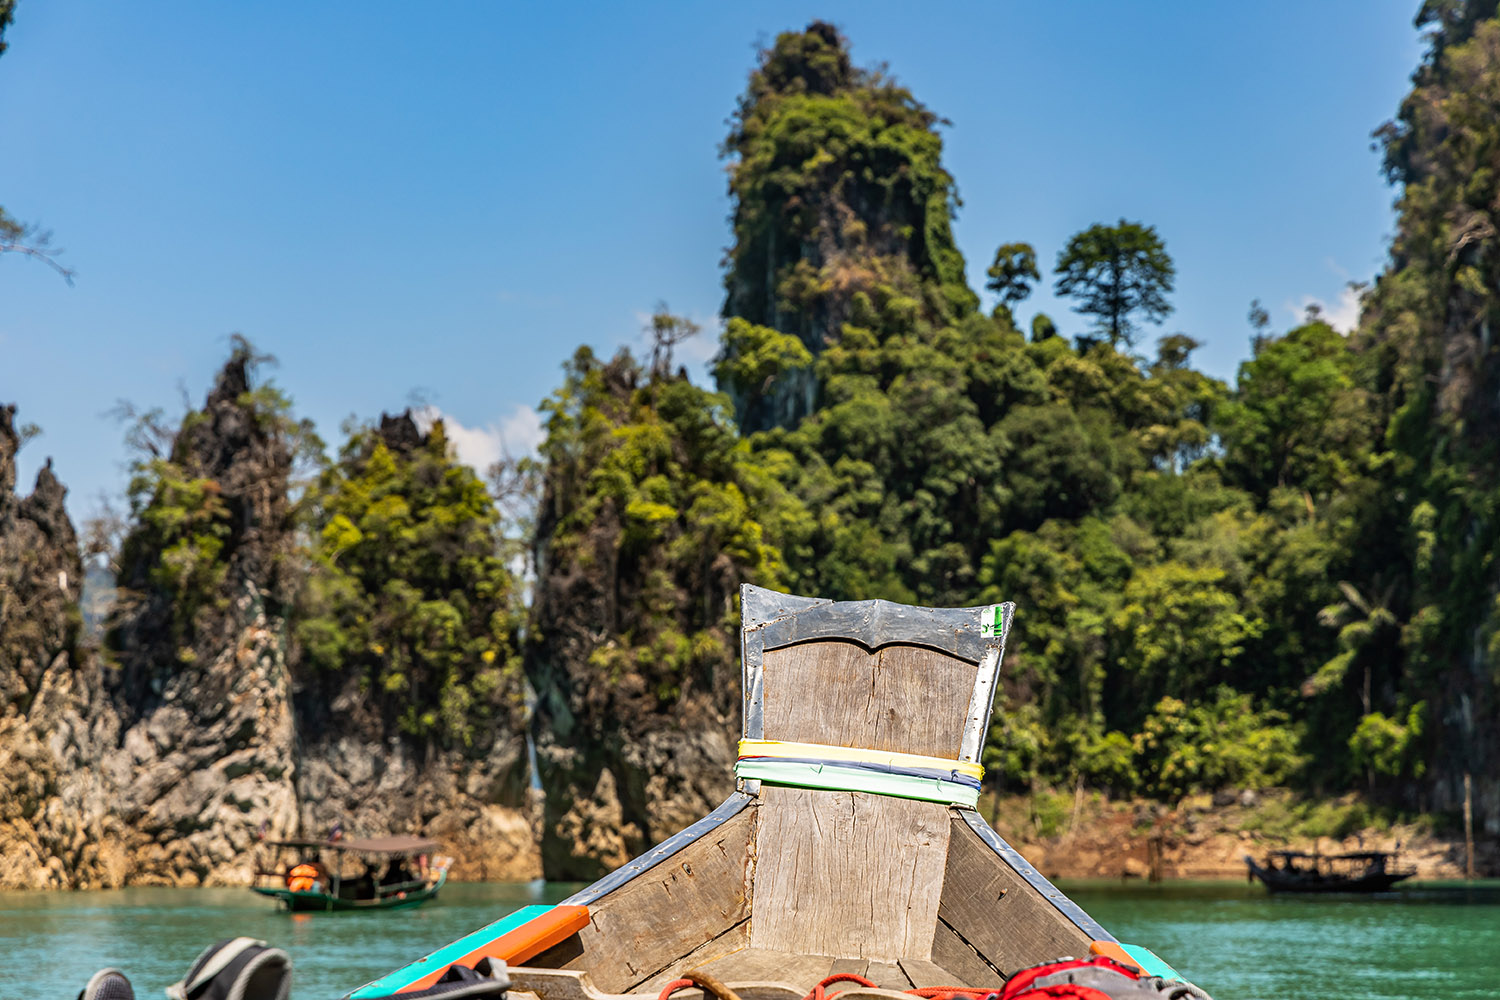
312 875
850 847
1356 871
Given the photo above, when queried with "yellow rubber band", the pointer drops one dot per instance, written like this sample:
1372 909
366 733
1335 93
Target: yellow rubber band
860 755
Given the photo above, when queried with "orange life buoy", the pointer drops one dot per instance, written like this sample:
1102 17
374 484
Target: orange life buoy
302 877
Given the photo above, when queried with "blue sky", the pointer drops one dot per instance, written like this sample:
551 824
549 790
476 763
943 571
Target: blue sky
442 201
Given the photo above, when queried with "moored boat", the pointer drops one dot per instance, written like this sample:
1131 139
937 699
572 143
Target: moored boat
314 875
1354 871
850 848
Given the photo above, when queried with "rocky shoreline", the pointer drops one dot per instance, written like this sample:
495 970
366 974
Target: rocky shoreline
1207 837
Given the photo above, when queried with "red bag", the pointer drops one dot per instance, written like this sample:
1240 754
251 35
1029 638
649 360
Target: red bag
1084 978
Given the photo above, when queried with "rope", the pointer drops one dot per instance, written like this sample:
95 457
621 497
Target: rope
860 769
709 984
820 991
697 977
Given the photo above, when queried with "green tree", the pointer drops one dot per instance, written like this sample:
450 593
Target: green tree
1297 417
1117 272
1217 742
1013 272
409 594
1179 629
1042 327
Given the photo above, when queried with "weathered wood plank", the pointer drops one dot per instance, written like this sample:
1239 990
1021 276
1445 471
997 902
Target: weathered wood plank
924 974
665 913
997 912
765 965
955 955
554 984
900 698
849 966
888 976
735 939
848 874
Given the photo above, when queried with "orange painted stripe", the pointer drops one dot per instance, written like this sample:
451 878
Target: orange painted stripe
513 947
1112 949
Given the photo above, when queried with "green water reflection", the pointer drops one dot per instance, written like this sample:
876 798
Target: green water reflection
1232 939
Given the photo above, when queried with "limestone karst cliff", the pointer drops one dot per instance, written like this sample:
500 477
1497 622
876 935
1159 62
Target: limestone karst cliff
52 807
410 698
200 726
649 521
196 666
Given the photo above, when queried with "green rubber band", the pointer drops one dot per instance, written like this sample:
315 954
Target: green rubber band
833 778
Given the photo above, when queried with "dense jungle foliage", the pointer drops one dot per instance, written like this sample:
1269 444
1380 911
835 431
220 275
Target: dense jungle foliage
1287 580
408 589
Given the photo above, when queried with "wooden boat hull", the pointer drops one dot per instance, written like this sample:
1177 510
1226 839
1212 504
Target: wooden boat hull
871 862
323 902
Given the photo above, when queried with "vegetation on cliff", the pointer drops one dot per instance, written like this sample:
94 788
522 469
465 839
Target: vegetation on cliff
211 524
653 512
408 591
1287 580
1290 579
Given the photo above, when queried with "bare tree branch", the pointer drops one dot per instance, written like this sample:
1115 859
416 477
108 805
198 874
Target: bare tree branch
30 241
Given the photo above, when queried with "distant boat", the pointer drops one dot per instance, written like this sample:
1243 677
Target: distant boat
1356 871
312 875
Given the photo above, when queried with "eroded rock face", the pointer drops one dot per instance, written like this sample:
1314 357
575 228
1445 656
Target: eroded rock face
611 802
52 803
204 759
355 772
163 759
209 765
622 770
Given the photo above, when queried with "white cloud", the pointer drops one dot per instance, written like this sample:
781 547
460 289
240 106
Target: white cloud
1342 315
514 436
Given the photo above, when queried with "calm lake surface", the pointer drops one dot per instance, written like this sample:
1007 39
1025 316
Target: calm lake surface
1232 939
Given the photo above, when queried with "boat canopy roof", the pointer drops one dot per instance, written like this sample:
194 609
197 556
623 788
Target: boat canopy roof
1350 856
367 845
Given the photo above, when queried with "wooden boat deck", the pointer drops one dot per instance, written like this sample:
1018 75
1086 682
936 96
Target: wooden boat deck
759 974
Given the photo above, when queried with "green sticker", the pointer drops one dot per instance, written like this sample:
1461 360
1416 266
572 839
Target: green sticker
991 622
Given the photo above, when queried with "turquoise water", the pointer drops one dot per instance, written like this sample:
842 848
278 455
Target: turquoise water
1233 940
1236 940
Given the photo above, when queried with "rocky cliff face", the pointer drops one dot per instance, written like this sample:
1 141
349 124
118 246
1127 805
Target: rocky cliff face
633 652
203 759
52 805
476 802
837 238
162 759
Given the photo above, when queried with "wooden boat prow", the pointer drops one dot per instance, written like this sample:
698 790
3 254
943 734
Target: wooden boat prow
885 872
